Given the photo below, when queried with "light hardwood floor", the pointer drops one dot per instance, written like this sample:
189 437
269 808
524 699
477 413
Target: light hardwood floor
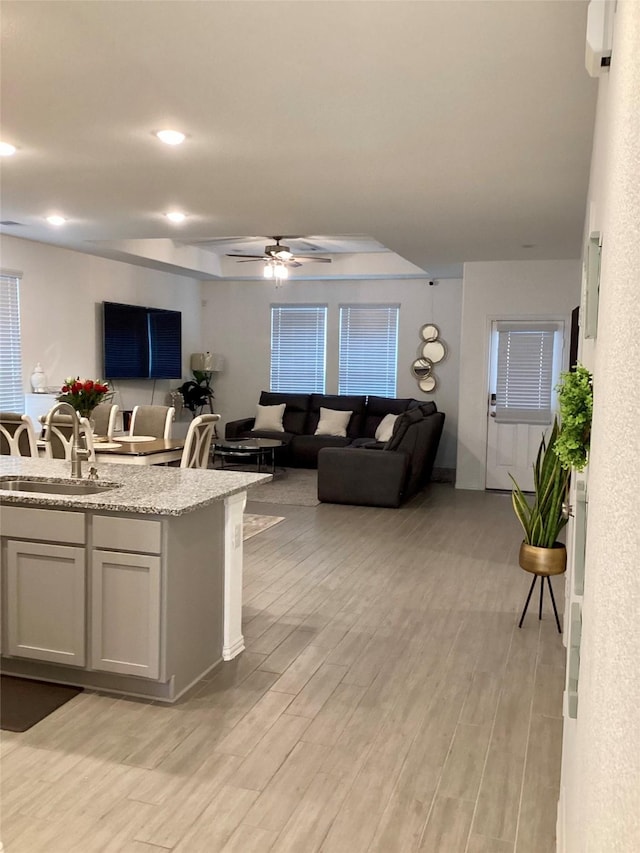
386 702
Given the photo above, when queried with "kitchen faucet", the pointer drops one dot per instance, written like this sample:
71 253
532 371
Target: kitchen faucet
77 453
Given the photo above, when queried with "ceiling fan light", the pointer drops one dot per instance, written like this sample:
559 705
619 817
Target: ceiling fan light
268 271
281 271
284 255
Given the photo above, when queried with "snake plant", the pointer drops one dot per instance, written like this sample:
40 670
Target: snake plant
543 519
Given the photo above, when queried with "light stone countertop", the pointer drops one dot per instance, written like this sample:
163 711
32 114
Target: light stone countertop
149 490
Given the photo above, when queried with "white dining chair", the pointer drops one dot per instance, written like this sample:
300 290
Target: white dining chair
17 436
152 420
198 443
58 444
104 419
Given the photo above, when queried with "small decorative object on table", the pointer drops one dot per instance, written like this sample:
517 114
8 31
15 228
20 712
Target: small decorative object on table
38 379
84 394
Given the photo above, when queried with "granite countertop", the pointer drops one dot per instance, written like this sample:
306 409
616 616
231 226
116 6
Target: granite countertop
153 489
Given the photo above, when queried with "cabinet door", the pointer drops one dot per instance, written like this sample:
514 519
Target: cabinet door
125 611
46 602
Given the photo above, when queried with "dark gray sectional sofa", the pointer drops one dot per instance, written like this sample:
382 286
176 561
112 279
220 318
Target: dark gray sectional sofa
355 469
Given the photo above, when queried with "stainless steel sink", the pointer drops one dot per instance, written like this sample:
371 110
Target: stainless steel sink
54 487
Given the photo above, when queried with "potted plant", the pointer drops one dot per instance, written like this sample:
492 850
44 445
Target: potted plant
197 392
543 519
575 394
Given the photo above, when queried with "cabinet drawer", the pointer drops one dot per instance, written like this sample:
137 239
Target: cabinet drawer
127 534
48 525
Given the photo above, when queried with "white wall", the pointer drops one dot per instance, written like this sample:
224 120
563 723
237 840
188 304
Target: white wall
600 787
236 323
60 299
507 290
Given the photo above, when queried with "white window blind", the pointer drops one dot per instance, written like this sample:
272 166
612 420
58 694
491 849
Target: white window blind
368 349
525 373
11 394
298 348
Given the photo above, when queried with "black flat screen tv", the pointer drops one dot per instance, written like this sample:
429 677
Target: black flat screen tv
141 343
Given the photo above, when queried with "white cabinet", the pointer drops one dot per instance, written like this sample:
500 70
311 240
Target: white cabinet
125 613
46 602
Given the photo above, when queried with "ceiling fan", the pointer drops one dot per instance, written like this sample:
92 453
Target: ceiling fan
279 256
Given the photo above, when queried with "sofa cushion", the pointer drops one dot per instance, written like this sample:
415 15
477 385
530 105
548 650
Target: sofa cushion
378 407
295 413
385 427
343 403
333 422
270 417
412 416
428 408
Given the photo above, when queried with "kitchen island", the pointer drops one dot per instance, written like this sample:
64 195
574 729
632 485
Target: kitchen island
135 589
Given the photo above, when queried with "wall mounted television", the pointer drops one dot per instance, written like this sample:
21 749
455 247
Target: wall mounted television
141 343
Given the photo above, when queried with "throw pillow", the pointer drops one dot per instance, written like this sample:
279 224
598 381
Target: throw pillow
385 427
333 422
270 417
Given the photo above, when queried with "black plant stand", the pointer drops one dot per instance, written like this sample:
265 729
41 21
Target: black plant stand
553 601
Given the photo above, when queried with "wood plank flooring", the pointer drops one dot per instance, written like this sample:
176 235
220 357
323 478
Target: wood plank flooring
386 702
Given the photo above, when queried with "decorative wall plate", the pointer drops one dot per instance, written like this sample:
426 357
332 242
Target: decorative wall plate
429 332
421 368
434 350
427 384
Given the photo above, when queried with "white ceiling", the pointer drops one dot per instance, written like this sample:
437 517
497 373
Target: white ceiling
444 131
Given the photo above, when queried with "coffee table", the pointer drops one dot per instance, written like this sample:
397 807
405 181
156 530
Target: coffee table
237 449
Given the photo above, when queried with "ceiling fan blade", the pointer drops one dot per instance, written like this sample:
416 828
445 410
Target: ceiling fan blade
249 257
311 259
292 263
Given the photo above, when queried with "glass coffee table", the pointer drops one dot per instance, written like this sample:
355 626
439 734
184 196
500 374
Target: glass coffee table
239 450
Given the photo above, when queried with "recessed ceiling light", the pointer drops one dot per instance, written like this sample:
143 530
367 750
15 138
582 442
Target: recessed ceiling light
176 216
7 149
528 245
171 137
56 220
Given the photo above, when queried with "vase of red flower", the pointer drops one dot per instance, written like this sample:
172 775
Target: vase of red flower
83 394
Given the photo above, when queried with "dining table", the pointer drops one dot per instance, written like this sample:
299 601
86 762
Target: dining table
135 450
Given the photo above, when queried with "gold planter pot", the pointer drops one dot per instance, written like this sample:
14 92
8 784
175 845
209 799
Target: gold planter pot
543 561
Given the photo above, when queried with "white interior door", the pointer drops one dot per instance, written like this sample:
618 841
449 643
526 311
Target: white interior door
526 359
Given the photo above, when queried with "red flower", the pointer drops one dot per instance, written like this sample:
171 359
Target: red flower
65 388
88 385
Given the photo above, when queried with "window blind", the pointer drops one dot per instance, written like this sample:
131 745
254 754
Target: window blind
368 349
298 348
525 373
11 393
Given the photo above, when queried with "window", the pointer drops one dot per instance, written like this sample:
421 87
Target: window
298 348
526 369
368 349
11 394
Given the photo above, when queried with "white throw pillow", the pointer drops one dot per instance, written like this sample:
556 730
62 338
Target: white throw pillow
385 427
333 422
270 417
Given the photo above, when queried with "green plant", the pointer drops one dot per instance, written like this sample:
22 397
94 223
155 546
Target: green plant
543 520
575 393
198 393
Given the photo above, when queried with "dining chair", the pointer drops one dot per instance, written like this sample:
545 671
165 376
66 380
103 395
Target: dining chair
104 419
58 445
198 443
17 436
152 420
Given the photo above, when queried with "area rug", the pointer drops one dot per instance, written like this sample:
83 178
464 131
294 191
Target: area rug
254 524
296 487
23 702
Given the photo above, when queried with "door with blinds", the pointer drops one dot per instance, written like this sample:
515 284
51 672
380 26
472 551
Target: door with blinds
526 359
